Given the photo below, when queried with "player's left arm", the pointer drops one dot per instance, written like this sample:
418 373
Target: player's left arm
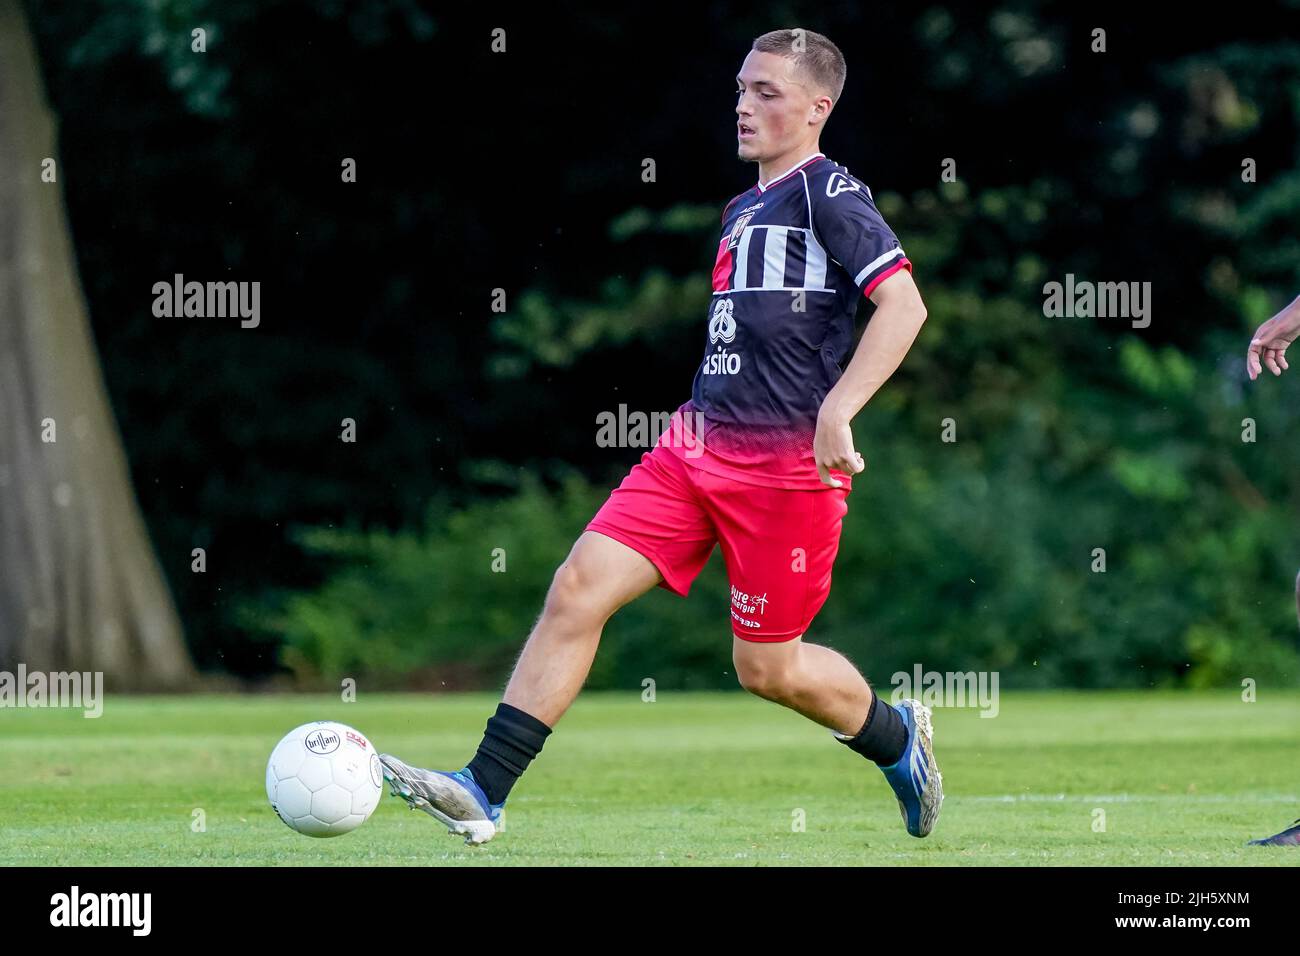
888 336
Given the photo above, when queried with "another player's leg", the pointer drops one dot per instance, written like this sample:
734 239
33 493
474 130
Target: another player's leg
1291 835
598 577
1288 837
825 687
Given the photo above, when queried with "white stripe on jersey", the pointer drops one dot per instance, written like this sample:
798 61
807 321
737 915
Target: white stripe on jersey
876 263
774 258
775 253
742 259
814 276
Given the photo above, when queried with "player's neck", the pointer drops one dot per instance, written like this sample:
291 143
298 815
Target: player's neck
770 169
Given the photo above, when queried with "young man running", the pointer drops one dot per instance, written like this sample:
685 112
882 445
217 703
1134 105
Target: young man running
759 460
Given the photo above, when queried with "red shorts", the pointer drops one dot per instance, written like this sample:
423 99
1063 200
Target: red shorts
778 543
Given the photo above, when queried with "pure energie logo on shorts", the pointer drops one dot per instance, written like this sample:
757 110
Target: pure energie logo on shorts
744 603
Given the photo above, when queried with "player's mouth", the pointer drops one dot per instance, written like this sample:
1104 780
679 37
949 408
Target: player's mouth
745 132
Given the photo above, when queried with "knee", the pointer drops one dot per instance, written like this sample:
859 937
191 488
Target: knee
763 675
573 592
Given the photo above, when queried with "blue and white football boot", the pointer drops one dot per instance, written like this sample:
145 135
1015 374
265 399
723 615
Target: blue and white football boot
915 777
453 798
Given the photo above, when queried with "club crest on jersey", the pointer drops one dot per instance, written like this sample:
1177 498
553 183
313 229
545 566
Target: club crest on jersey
737 229
839 183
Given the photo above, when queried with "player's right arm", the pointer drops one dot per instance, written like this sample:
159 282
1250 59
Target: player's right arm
1269 343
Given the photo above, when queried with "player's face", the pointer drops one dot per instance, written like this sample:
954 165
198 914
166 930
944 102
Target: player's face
773 107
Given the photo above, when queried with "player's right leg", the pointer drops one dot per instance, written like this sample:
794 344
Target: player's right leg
598 577
652 530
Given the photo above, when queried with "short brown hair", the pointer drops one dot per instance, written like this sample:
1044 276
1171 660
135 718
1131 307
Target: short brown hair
814 55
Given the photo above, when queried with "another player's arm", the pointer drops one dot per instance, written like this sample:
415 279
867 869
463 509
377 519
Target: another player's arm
1269 343
888 336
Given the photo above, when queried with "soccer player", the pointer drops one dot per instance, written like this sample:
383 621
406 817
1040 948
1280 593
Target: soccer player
759 460
1268 346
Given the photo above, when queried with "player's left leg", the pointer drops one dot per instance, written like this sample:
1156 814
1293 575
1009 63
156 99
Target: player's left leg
779 546
813 680
824 686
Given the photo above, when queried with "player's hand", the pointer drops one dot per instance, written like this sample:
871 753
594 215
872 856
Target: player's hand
1269 343
833 448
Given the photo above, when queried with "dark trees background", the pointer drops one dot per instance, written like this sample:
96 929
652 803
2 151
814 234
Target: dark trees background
480 170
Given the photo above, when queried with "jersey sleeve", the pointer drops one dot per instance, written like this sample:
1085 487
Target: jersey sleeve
848 224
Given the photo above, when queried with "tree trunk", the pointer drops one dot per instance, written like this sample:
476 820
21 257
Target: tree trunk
80 586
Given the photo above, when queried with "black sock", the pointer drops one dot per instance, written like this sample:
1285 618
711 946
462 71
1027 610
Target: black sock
510 742
882 738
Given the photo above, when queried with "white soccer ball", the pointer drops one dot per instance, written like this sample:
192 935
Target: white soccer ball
324 779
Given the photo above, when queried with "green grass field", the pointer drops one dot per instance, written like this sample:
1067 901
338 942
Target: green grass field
1183 779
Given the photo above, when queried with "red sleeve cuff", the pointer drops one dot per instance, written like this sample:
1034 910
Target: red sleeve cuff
889 270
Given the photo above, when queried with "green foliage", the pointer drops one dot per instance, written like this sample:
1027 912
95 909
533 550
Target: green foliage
975 554
459 597
557 333
1073 434
982 554
1078 442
